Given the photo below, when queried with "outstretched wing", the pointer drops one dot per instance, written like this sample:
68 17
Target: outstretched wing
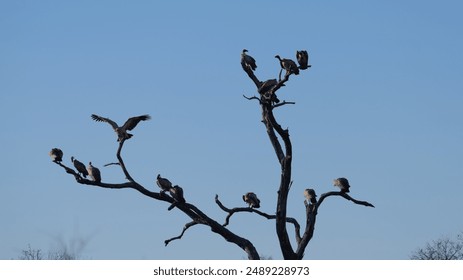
101 119
132 122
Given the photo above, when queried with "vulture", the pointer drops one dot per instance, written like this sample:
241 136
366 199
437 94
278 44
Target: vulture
247 61
310 195
289 65
80 167
251 199
163 183
121 131
177 193
342 183
94 172
303 59
266 87
56 155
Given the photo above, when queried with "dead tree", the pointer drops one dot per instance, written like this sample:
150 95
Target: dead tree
174 196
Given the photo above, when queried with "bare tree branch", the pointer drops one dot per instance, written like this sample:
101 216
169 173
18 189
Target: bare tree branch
232 211
111 163
252 98
283 103
185 228
345 195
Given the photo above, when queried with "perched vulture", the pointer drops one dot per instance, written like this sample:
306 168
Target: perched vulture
56 155
247 61
94 172
265 89
342 183
251 199
121 131
310 195
80 167
163 183
303 59
289 65
177 193
267 85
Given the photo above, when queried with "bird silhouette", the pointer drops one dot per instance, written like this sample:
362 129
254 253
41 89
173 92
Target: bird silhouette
310 195
342 183
251 199
289 65
303 59
247 61
80 167
56 155
94 172
121 131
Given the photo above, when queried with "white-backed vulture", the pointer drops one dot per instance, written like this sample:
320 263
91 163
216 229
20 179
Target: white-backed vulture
163 183
265 90
94 172
303 59
251 199
121 131
56 155
247 61
177 193
342 183
310 195
289 65
80 167
267 86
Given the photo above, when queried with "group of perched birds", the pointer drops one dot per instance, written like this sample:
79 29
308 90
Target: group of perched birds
57 156
248 62
342 183
121 131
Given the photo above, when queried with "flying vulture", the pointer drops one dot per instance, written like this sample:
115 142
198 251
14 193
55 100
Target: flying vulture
342 183
310 195
56 155
80 167
251 199
247 61
289 65
163 183
121 131
94 172
303 59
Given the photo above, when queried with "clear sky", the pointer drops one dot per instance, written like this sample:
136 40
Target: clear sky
381 105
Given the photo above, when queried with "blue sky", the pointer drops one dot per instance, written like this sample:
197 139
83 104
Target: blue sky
381 106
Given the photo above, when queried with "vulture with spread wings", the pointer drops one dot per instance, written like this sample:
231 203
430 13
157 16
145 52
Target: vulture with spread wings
121 131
